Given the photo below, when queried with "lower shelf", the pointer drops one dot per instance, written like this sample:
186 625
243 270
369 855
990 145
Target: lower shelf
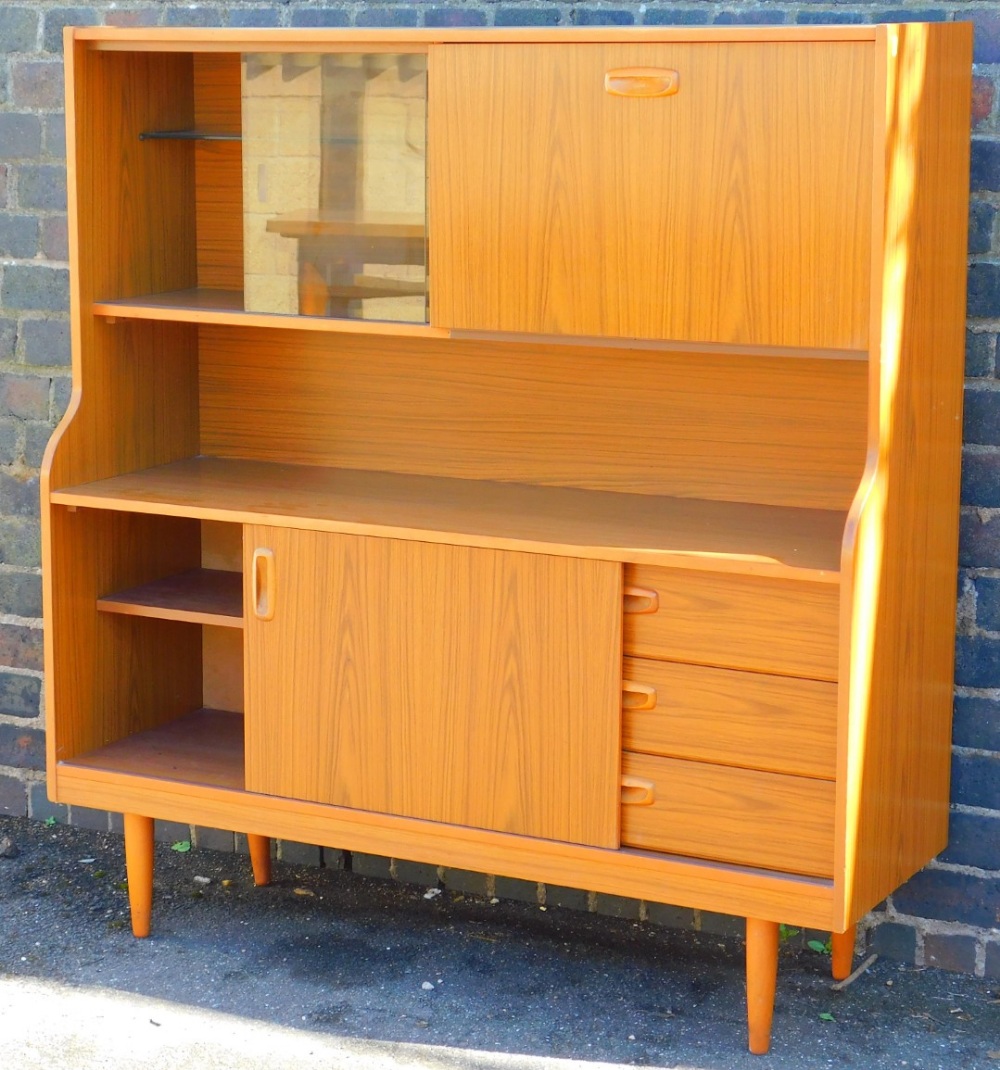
205 747
191 771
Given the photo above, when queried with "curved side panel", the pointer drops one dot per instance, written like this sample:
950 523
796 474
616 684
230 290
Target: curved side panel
901 547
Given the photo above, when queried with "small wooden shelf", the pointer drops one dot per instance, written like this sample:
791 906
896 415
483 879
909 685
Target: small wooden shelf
202 596
686 532
204 305
203 747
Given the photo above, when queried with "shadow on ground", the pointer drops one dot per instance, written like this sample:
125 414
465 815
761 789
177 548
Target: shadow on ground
367 973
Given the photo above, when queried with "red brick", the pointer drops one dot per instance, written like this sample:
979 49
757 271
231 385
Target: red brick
20 646
25 396
37 83
983 91
54 238
22 748
949 952
142 17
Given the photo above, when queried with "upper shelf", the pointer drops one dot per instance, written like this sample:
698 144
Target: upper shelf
685 532
202 305
206 305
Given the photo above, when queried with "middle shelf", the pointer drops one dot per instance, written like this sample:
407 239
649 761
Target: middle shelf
199 595
694 533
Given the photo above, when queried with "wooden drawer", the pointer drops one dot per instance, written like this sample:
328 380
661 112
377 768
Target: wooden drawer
750 719
738 622
766 820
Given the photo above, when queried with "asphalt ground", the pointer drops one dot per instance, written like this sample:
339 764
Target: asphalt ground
331 969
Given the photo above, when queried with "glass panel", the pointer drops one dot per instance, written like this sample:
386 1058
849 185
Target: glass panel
334 177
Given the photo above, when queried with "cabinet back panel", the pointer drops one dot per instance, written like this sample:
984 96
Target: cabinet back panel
781 431
222 648
218 171
736 210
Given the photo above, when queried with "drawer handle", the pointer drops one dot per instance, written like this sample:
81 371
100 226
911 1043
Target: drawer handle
262 584
641 600
636 696
636 791
641 82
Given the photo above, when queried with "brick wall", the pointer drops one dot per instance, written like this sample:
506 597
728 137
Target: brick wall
948 915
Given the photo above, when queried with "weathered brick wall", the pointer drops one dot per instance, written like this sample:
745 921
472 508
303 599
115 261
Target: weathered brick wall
948 915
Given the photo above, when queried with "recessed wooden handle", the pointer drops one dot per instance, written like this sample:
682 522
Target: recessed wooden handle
262 583
642 82
636 696
637 791
641 600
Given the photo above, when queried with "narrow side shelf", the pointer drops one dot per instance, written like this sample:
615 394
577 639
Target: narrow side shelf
204 747
201 595
769 540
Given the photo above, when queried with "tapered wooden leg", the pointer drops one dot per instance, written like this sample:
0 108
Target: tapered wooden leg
842 952
762 976
260 859
139 870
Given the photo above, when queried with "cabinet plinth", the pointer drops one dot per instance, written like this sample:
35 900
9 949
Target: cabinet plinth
529 453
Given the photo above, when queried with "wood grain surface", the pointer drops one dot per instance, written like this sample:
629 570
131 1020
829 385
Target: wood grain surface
108 676
686 532
460 685
204 746
659 878
766 429
732 815
748 719
222 668
557 207
131 207
226 307
901 548
747 622
199 39
218 169
204 596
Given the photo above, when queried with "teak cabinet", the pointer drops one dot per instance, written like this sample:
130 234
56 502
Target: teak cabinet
527 451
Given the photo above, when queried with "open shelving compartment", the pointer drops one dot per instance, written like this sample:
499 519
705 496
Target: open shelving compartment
279 163
164 694
713 457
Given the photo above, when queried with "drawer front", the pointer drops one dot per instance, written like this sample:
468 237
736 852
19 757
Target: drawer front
749 719
788 627
749 818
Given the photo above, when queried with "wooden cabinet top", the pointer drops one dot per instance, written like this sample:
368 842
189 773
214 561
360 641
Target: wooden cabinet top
219 40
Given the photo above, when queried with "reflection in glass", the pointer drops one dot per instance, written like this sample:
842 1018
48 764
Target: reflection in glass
334 176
